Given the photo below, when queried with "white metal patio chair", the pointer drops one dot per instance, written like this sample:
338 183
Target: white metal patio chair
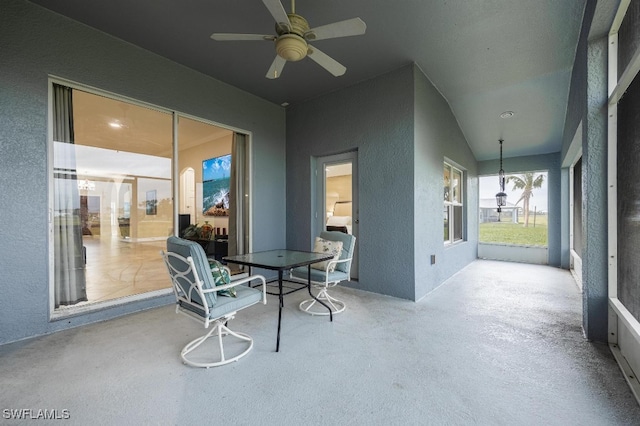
324 277
198 297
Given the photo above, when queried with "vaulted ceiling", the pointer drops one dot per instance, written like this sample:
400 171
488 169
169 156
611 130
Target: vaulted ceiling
486 57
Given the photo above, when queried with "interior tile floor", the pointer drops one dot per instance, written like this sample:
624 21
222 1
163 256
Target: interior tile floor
117 267
497 344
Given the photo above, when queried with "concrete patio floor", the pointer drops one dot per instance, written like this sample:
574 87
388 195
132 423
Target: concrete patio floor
498 344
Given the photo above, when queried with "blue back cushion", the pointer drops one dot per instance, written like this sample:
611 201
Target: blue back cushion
188 248
348 245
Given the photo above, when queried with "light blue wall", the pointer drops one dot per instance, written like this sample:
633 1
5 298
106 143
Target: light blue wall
438 136
594 195
551 163
402 129
586 117
572 137
376 119
36 43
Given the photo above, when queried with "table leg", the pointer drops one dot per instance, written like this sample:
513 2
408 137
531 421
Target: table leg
281 304
317 300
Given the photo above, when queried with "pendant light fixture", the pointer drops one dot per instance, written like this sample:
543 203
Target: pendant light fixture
501 197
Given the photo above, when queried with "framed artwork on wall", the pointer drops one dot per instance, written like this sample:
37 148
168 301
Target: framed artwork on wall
152 203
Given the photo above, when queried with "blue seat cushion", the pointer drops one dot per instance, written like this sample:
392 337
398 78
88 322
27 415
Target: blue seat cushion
245 296
348 245
318 275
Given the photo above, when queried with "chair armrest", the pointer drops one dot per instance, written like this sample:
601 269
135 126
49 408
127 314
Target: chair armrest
242 281
341 260
335 262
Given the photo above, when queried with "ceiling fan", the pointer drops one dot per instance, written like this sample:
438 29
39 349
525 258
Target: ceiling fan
293 35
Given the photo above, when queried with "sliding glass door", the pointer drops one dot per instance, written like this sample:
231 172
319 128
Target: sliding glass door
115 176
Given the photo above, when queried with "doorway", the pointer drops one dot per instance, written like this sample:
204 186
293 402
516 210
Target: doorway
337 198
187 192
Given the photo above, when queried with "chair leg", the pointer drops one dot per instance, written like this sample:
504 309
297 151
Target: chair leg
220 330
336 305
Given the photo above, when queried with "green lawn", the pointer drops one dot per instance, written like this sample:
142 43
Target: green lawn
515 233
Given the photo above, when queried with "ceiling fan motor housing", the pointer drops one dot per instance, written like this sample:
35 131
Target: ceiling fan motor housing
290 44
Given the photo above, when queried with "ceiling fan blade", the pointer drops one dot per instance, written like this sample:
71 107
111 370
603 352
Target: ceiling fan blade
241 37
277 11
276 68
326 62
350 27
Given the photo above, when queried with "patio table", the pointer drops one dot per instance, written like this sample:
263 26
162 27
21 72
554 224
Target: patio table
282 260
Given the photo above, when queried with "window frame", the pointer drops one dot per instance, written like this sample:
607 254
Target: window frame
61 313
618 83
451 205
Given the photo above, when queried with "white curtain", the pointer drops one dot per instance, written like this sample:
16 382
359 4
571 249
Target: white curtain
69 255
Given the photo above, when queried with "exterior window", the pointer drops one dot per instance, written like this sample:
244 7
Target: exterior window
453 204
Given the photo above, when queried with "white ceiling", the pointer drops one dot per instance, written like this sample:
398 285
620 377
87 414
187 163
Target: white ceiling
484 56
151 130
334 170
142 141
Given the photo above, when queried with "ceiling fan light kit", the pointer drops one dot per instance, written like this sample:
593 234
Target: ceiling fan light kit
291 47
293 32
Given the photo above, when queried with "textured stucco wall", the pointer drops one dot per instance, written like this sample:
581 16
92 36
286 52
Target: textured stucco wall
402 129
376 119
572 134
577 104
594 196
587 108
36 43
437 135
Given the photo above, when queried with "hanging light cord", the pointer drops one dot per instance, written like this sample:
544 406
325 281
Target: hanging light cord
501 173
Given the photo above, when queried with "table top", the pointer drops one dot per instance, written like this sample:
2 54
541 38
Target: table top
278 259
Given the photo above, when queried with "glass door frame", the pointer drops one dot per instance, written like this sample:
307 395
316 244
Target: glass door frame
319 215
84 308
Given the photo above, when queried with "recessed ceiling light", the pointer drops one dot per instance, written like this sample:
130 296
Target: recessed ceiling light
284 104
115 124
507 114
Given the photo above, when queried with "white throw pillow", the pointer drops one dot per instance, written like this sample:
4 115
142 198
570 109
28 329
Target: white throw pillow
326 246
